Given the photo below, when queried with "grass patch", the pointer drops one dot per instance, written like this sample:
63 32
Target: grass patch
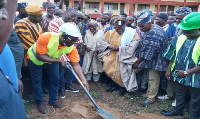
94 94
28 107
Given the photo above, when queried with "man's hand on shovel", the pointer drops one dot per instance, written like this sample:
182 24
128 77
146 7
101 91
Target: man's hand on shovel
86 85
64 63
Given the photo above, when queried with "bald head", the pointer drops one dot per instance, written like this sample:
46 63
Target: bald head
67 18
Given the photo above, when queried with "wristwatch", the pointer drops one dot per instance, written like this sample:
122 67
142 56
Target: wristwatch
186 74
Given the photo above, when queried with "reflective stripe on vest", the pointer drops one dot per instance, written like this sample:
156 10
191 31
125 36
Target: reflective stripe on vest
52 51
195 53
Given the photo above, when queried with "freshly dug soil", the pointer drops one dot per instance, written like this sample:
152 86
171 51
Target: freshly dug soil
78 106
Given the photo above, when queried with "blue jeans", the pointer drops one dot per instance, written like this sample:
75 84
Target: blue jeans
65 77
52 72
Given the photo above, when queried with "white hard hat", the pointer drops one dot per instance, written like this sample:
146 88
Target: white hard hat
70 29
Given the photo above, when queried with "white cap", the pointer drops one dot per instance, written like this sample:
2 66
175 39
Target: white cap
70 29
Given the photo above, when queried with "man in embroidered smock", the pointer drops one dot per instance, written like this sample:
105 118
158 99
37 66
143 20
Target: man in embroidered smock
153 44
117 52
22 12
43 56
172 32
161 20
28 31
184 66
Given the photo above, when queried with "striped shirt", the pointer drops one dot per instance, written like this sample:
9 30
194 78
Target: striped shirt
27 32
55 24
153 44
45 22
103 27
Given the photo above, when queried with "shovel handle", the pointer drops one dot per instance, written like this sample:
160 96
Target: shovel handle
88 94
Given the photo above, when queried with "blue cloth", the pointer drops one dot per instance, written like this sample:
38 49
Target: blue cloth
127 36
12 106
86 27
52 73
183 62
17 51
22 5
82 28
143 17
172 31
7 64
105 14
110 28
183 11
153 45
17 18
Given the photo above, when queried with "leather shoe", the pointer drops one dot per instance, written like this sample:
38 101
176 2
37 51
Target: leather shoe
146 103
171 113
112 89
122 92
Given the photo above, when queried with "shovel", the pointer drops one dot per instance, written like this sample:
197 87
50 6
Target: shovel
103 113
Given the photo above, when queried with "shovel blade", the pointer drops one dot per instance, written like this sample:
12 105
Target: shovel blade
105 114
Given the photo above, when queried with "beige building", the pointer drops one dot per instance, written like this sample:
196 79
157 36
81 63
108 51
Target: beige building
131 7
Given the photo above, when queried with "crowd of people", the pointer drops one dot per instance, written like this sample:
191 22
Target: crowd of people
156 55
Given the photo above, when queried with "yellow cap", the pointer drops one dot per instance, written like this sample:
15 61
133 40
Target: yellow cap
33 10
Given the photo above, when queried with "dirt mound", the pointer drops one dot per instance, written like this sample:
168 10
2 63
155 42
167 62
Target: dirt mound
83 110
78 106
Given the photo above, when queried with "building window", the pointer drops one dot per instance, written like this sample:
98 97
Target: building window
92 5
193 8
142 7
122 5
66 3
110 6
170 9
76 5
162 8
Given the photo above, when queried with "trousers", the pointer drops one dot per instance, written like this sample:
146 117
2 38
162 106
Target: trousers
181 92
52 73
153 84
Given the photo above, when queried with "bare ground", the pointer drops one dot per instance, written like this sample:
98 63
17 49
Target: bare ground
78 106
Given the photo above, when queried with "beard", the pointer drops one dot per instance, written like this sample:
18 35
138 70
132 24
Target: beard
24 14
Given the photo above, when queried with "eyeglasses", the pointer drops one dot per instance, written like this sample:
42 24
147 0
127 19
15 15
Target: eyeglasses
72 41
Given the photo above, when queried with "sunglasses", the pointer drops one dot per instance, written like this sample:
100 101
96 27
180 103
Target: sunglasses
73 41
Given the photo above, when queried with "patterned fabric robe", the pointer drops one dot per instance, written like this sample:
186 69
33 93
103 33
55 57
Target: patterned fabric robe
111 64
28 33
